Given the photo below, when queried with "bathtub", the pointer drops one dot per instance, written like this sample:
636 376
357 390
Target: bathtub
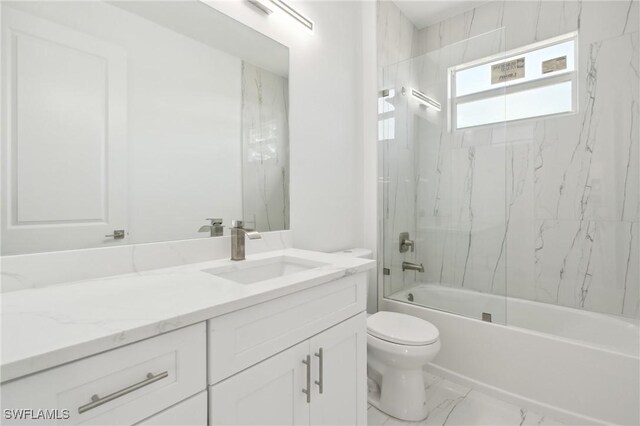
578 366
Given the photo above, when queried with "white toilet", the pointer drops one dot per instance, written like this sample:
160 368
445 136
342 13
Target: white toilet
398 346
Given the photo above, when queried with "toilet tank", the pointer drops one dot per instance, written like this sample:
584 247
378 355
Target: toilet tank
372 288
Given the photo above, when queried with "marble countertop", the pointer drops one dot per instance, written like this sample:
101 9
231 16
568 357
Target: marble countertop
50 326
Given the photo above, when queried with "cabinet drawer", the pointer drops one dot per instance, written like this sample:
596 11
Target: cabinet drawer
243 338
192 412
129 383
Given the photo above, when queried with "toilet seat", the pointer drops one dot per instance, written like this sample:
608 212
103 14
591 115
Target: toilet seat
402 329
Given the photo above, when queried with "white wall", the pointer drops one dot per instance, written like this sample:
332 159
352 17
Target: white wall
325 89
326 119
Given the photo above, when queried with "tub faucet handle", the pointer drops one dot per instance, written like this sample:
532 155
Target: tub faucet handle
406 243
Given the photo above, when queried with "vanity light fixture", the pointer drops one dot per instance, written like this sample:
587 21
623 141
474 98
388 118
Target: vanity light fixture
426 100
262 5
294 14
265 6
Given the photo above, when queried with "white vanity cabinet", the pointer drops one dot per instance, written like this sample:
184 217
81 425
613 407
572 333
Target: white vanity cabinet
297 357
321 381
297 360
120 387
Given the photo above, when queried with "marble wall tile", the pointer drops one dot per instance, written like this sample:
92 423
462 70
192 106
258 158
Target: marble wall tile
396 34
590 168
544 209
265 149
588 264
519 243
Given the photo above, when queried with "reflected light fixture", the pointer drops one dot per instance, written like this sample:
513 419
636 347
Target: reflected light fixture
426 100
262 6
267 7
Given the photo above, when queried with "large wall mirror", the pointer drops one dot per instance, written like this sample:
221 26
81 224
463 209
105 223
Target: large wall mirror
148 117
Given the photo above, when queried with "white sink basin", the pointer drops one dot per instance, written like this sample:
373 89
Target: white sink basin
253 271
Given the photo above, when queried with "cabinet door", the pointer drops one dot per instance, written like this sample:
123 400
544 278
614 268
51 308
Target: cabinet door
190 412
342 371
269 393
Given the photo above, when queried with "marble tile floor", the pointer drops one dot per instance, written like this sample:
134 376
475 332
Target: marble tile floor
453 404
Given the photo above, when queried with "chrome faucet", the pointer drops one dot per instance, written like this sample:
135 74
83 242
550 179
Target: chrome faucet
237 239
215 228
412 267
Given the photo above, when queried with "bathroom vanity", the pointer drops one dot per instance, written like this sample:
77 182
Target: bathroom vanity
279 338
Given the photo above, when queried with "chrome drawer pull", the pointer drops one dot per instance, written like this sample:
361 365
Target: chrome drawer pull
96 401
307 391
320 382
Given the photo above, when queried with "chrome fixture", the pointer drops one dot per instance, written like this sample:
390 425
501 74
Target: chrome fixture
97 401
262 6
486 316
426 100
118 234
410 266
237 239
215 229
294 14
307 390
265 6
320 383
406 243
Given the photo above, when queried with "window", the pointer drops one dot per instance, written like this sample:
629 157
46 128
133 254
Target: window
535 81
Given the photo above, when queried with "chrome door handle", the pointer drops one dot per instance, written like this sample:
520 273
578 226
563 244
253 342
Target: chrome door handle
96 401
320 355
307 391
118 234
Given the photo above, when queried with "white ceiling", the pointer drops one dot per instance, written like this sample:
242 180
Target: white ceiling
428 12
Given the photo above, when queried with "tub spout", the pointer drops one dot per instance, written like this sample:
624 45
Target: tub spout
412 267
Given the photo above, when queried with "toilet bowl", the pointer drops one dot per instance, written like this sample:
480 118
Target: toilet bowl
398 347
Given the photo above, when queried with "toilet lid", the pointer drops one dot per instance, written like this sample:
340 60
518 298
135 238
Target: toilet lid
402 329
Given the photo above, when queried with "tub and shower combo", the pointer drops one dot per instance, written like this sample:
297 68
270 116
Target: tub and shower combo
507 221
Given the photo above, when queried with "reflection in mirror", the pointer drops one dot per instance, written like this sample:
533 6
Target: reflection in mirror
134 122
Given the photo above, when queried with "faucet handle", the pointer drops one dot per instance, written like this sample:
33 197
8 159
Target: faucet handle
215 221
237 223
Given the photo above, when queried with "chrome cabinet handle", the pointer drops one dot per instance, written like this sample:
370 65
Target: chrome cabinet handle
96 401
319 382
307 391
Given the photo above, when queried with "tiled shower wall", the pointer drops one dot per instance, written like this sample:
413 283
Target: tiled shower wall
545 209
265 149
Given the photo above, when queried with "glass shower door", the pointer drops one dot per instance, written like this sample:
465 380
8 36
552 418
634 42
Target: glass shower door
444 185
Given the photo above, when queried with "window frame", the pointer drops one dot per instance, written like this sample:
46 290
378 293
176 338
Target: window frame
509 88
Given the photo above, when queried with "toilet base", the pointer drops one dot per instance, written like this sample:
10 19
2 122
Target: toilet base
402 395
